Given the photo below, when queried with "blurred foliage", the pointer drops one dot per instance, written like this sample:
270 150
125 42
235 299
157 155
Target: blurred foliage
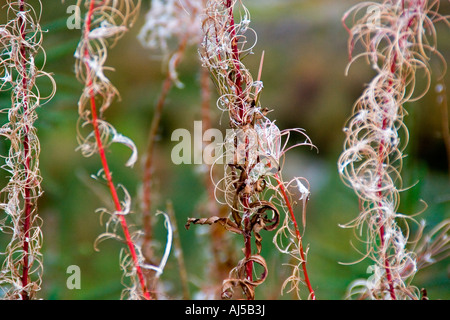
304 83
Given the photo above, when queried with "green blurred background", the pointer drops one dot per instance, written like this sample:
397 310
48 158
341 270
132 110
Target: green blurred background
304 82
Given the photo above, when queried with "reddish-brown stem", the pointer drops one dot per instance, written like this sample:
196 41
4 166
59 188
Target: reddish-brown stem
247 230
114 195
148 164
104 161
241 112
247 238
299 237
381 150
381 158
147 220
382 229
26 147
236 59
219 268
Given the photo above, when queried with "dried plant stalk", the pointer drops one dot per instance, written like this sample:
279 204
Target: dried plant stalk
21 39
104 25
166 21
253 152
398 39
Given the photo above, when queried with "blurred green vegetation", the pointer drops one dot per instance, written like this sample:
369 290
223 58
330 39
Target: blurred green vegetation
304 82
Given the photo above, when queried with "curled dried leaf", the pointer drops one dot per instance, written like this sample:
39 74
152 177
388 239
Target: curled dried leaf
225 222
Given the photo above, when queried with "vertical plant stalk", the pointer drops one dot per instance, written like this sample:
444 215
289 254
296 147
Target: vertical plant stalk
398 39
222 253
241 111
146 202
28 204
91 69
253 149
148 163
21 36
383 158
284 193
168 23
113 191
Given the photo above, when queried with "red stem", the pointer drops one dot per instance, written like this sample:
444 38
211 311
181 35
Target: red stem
104 161
380 193
148 165
26 147
380 151
299 237
247 235
235 51
381 230
240 108
247 232
247 239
